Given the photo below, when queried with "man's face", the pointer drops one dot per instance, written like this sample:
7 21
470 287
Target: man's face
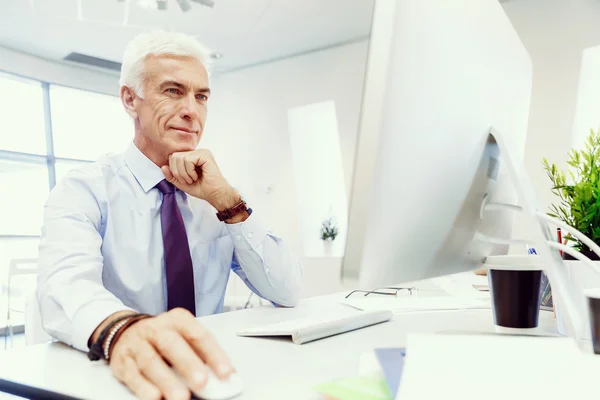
172 114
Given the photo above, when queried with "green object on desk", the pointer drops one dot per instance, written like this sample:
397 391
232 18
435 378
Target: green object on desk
356 388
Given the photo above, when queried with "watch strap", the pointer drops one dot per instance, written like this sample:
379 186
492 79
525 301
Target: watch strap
233 211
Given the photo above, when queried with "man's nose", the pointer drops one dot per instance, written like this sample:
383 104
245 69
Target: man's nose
190 109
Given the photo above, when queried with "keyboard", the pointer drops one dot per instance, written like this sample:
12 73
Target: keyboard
304 330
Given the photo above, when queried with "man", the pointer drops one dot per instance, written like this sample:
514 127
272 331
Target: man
137 233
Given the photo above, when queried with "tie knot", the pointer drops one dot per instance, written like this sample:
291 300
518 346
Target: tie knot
165 187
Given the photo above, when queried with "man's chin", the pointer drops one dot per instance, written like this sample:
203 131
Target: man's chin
180 146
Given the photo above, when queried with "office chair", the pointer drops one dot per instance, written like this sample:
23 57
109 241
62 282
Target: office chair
17 267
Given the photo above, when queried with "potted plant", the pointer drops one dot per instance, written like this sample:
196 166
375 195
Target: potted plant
328 234
579 193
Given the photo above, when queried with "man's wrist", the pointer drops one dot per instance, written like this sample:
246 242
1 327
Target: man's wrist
105 323
229 198
236 219
112 339
226 199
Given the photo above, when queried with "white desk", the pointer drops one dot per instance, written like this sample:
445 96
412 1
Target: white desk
270 368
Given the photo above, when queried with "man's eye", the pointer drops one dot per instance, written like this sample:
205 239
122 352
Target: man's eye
201 97
173 91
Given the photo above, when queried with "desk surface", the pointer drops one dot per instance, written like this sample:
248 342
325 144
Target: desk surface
270 368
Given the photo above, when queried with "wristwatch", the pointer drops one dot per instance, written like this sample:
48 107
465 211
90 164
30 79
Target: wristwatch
233 211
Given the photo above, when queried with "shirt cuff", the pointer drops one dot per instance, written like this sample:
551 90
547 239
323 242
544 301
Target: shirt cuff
88 317
248 234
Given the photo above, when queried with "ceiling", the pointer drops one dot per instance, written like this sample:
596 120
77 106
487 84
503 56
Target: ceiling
246 32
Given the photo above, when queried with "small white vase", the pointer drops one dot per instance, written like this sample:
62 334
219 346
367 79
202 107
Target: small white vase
328 248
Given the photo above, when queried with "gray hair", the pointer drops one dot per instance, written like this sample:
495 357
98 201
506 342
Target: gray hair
157 43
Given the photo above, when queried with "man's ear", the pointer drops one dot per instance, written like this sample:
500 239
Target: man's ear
128 98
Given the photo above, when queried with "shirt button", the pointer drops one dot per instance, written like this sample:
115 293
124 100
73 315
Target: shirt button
267 269
250 235
238 237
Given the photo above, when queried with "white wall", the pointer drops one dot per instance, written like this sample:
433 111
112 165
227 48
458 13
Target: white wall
319 176
248 131
555 32
28 66
587 112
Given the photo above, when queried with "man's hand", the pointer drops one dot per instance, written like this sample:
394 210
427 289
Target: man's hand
142 355
197 174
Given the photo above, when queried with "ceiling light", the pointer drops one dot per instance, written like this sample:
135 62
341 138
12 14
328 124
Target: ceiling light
147 4
185 5
163 4
207 3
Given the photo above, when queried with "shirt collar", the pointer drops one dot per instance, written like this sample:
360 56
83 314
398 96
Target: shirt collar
143 169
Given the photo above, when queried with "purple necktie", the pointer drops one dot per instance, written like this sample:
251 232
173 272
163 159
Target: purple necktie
178 261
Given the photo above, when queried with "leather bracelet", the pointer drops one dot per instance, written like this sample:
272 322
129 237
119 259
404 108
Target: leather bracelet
96 349
111 335
238 208
110 344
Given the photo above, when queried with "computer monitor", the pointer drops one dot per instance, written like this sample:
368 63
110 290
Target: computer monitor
442 134
439 75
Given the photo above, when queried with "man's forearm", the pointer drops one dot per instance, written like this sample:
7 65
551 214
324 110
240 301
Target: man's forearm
105 323
228 199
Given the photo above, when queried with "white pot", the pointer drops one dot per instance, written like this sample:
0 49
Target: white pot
582 277
328 248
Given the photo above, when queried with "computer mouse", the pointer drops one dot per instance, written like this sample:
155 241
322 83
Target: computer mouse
216 389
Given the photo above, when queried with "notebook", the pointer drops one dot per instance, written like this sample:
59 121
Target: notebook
391 361
305 330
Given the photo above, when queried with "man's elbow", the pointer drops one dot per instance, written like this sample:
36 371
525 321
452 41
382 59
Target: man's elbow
291 297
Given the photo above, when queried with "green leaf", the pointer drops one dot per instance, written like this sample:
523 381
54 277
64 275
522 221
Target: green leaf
578 189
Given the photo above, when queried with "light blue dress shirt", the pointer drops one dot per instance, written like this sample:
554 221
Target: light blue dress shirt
101 250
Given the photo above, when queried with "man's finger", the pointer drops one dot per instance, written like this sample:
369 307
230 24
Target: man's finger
181 168
204 343
175 170
166 170
176 350
130 375
154 368
190 168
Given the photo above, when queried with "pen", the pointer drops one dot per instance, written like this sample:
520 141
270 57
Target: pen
559 237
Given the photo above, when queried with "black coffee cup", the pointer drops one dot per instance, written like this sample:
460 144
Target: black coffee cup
594 307
515 297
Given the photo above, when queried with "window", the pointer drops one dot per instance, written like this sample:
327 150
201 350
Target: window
36 152
21 116
26 187
62 167
86 125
